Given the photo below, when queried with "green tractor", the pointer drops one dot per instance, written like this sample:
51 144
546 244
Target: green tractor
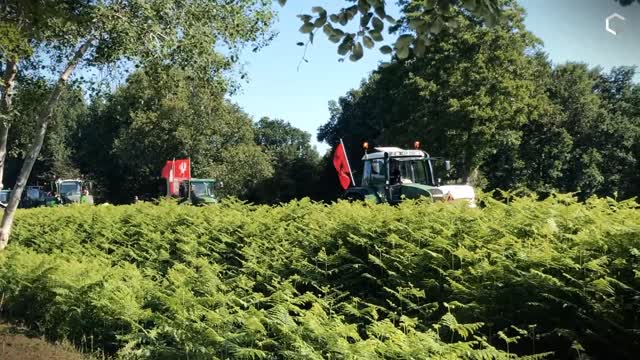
74 191
392 174
4 198
199 191
34 196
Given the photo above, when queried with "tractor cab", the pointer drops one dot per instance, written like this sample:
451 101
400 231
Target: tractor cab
33 196
199 191
74 191
391 174
4 198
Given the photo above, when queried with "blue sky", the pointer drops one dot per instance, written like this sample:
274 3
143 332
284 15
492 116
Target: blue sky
572 30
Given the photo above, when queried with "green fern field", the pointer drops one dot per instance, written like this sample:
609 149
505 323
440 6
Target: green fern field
528 279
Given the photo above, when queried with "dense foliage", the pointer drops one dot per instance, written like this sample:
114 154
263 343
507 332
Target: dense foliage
163 114
121 140
312 281
58 155
491 101
295 163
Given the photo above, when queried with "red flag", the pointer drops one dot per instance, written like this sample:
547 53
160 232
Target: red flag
181 169
341 164
176 171
166 170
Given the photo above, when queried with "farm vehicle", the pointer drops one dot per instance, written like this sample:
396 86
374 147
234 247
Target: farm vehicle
74 191
199 191
392 174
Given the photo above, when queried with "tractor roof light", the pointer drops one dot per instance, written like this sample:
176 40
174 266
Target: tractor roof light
365 146
416 145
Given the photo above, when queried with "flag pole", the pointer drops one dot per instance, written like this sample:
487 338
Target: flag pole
344 150
172 178
189 178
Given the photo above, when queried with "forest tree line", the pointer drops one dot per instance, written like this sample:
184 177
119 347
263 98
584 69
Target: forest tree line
489 99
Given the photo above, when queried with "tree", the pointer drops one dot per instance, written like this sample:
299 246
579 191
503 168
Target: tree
490 100
294 160
162 114
182 33
465 99
57 157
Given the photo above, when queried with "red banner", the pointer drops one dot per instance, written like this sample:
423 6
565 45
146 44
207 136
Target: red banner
176 171
342 166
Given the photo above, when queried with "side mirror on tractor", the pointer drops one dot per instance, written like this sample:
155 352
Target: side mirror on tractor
219 185
447 165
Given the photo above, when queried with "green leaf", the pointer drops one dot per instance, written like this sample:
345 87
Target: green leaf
306 28
379 10
327 29
334 18
368 42
377 24
386 49
342 19
363 6
429 4
402 52
320 21
305 18
419 47
491 20
376 35
415 23
345 45
404 40
469 4
436 27
300 43
364 19
357 52
391 20
335 39
282 2
351 11
338 32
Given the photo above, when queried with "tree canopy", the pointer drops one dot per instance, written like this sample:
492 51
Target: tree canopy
491 101
157 117
295 163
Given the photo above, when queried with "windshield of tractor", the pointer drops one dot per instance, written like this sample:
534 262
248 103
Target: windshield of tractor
374 172
401 171
70 187
33 193
407 171
202 188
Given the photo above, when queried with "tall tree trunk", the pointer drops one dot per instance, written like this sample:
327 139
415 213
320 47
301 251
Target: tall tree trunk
8 84
466 159
36 145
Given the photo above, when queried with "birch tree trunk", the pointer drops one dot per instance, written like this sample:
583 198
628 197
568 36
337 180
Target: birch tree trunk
6 97
36 145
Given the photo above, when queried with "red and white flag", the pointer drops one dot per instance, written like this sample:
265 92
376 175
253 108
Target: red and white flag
176 171
341 163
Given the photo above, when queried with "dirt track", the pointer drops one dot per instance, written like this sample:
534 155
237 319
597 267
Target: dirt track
16 345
